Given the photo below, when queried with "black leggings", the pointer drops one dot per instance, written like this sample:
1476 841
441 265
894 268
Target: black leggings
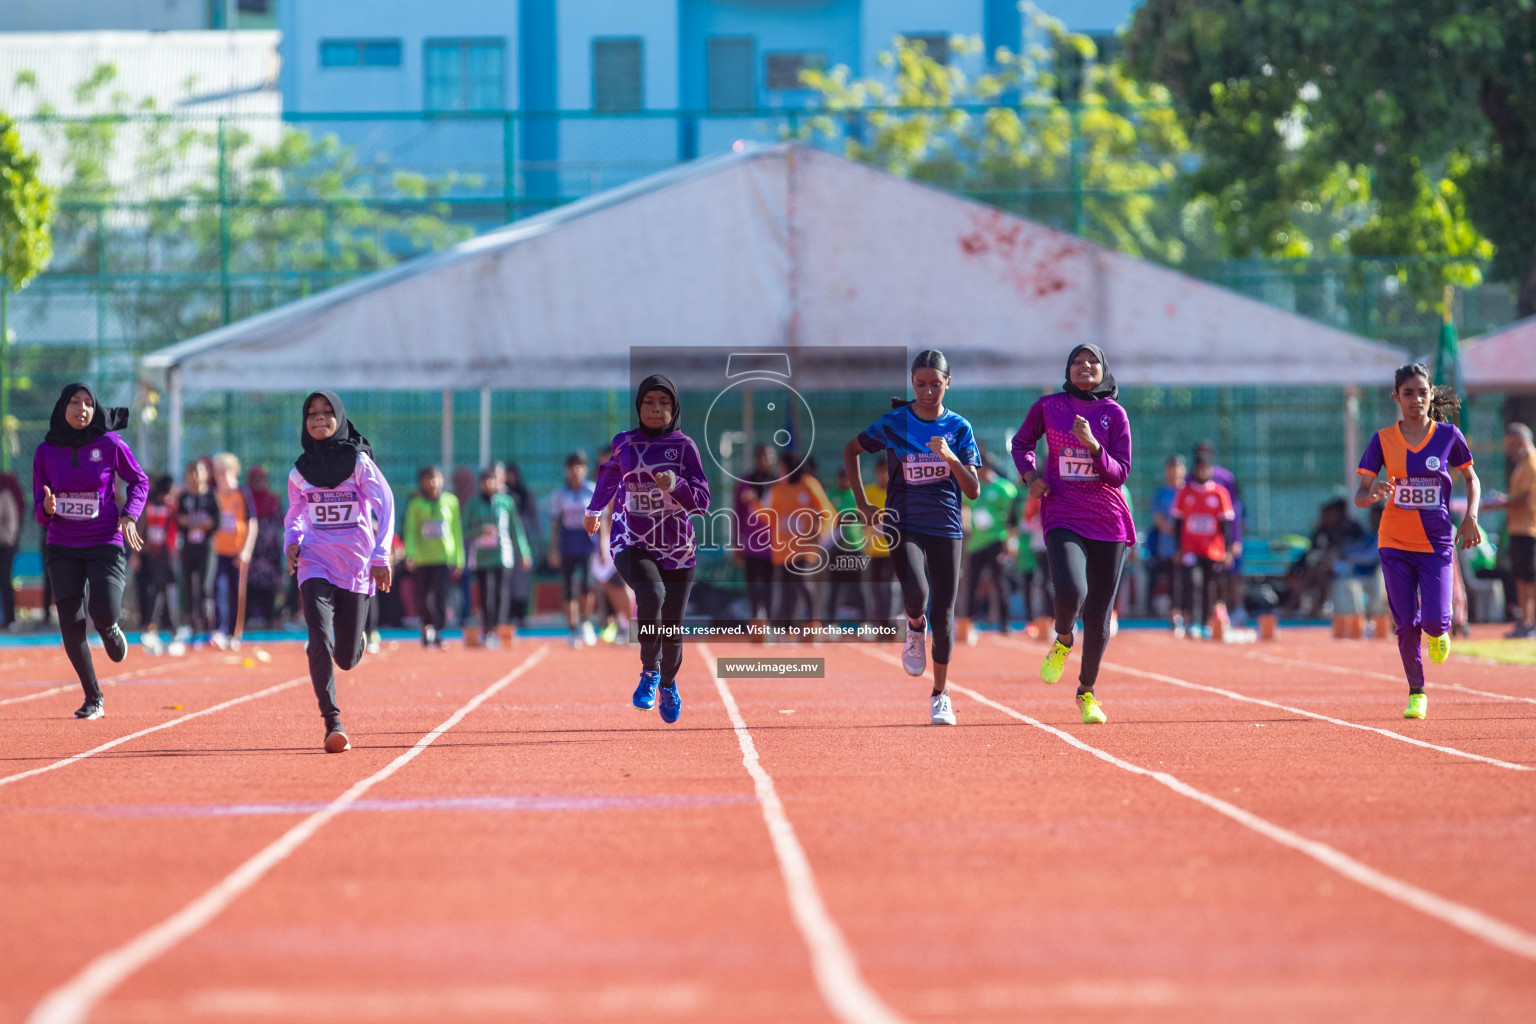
495 595
434 586
228 573
1199 599
336 620
154 580
929 565
105 568
1086 575
791 590
881 575
759 586
197 566
661 597
985 563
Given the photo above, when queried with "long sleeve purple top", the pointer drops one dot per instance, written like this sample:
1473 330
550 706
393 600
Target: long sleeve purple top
84 484
1085 494
645 516
342 531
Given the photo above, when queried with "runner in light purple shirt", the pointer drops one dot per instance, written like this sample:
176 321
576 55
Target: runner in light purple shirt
658 477
1088 527
74 497
341 519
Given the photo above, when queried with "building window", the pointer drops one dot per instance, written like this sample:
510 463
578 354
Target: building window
466 74
731 82
783 70
360 53
618 74
935 44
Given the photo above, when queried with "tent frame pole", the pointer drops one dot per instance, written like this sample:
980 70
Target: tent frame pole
447 433
1351 434
485 427
174 400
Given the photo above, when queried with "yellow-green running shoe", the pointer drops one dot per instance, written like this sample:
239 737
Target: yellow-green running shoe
1418 706
1439 648
1055 663
1093 711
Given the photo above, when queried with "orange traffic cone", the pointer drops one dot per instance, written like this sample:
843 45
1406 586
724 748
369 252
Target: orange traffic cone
1269 626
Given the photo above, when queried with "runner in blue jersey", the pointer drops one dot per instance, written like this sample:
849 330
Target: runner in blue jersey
932 457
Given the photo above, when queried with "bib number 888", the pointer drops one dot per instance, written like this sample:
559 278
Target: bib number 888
1408 496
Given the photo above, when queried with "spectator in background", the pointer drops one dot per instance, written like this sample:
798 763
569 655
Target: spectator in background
1226 478
197 515
522 575
986 547
571 547
841 577
154 568
1519 506
883 594
756 553
1162 543
266 577
1203 520
1311 578
233 543
12 501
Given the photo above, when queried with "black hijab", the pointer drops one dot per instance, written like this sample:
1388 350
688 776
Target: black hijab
1106 388
65 435
657 382
327 463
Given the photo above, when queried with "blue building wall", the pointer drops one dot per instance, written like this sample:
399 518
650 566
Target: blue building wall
547 48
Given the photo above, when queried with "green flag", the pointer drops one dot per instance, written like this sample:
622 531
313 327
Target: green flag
1448 352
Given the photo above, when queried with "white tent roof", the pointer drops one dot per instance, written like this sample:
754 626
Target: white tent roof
1502 361
783 246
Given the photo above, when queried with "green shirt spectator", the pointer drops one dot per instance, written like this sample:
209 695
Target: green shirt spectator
990 513
493 532
433 534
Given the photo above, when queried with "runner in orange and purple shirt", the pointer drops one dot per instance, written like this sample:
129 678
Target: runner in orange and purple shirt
1417 539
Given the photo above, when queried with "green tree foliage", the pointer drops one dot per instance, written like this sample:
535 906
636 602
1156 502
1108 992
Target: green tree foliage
26 211
1373 127
1105 162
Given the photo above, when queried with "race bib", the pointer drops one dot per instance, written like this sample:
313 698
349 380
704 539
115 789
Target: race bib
196 536
646 502
333 510
1201 524
79 506
981 519
1416 492
927 468
155 535
433 529
1076 466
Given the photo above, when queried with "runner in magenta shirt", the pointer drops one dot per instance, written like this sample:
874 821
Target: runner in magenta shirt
340 522
1088 527
74 497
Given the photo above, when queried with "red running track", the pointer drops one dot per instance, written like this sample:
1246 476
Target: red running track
554 855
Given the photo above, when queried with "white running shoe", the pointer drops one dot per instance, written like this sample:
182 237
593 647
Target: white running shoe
942 712
914 652
219 639
184 634
588 634
152 644
176 649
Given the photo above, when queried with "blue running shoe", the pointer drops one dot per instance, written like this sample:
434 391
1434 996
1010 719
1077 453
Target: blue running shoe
645 693
671 704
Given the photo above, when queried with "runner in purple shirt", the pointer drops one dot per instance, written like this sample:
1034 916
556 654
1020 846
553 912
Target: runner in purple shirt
340 522
1087 523
659 479
74 497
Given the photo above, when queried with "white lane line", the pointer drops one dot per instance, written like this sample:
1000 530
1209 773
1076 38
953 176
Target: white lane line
6 780
842 986
1474 922
104 680
1234 695
1342 670
41 693
73 1001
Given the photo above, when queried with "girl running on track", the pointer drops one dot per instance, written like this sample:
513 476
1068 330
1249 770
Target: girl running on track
74 497
1416 540
1087 524
932 455
340 521
657 474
